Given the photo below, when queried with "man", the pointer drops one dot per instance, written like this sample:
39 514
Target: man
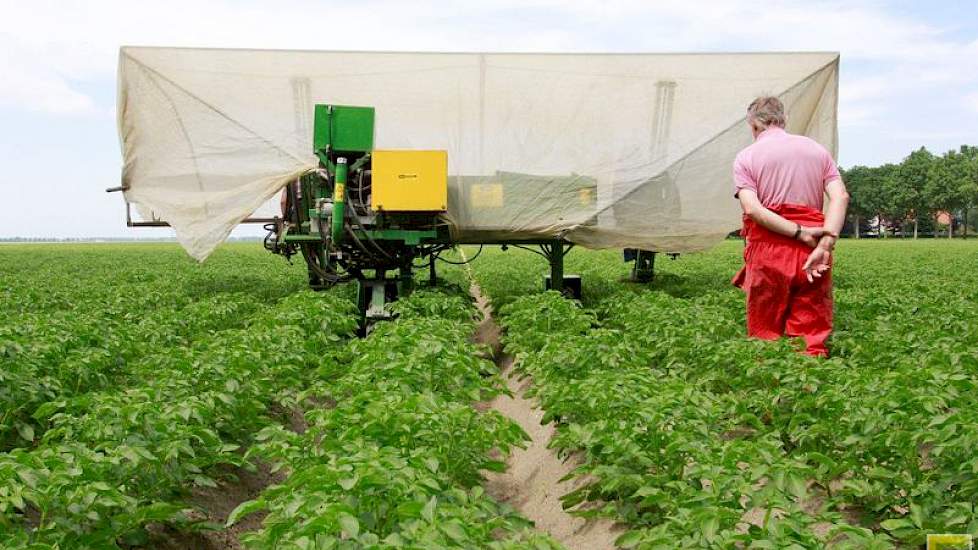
781 181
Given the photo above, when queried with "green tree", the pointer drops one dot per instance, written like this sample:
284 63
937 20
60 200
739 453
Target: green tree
969 189
947 184
866 192
906 189
895 200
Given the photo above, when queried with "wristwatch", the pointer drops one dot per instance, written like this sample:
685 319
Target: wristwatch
797 231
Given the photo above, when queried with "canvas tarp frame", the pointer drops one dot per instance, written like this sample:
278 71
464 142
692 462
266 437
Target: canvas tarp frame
603 150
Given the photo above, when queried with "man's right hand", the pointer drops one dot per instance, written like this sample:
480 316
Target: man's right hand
818 262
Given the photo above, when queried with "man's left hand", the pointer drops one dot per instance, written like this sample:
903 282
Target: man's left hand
818 262
810 235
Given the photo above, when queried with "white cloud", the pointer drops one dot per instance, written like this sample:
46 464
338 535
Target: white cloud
38 89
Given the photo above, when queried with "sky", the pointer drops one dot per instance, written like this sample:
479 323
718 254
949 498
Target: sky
909 70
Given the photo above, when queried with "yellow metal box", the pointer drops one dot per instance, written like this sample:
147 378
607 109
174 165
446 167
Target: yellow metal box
409 181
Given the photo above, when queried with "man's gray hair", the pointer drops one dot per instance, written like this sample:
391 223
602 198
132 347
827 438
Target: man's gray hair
766 111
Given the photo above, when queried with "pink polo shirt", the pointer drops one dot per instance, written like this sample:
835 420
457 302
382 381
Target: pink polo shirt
783 168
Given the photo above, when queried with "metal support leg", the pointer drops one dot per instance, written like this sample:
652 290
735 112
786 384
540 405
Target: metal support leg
406 279
643 271
569 285
372 295
557 266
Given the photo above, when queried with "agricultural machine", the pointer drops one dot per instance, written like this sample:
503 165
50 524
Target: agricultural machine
374 216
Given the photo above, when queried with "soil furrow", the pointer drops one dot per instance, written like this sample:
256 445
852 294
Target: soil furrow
532 480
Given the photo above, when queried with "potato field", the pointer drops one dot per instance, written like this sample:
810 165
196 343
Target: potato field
147 401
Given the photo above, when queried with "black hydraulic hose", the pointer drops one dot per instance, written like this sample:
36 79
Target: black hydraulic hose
291 200
359 243
312 262
360 189
431 253
469 260
370 239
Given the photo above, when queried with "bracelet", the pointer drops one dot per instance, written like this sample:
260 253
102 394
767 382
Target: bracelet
797 231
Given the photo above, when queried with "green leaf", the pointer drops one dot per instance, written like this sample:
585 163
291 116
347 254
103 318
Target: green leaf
29 477
26 432
350 525
895 524
645 491
428 512
410 510
917 515
797 486
17 500
629 539
454 530
494 466
245 508
709 528
204 481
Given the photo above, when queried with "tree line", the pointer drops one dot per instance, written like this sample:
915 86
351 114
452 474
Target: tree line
923 194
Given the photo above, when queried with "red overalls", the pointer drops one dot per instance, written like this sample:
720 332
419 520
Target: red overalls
780 300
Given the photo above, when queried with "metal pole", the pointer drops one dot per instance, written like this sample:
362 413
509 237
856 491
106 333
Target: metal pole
339 190
557 266
407 279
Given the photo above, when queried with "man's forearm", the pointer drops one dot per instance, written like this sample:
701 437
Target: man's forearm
836 215
772 221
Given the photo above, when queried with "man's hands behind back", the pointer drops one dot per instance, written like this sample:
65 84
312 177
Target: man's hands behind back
818 262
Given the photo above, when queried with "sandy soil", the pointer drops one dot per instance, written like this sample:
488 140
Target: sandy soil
532 482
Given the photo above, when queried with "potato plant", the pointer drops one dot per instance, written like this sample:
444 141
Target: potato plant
72 331
191 375
694 436
141 377
134 376
396 461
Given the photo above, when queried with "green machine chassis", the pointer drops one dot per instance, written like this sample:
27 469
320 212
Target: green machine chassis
327 220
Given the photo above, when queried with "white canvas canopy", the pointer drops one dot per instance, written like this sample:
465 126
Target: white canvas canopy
604 150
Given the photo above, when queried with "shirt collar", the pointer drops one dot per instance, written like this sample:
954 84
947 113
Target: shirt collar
770 131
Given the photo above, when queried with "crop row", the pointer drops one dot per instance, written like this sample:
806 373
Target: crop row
116 459
134 279
72 331
394 459
693 436
55 358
